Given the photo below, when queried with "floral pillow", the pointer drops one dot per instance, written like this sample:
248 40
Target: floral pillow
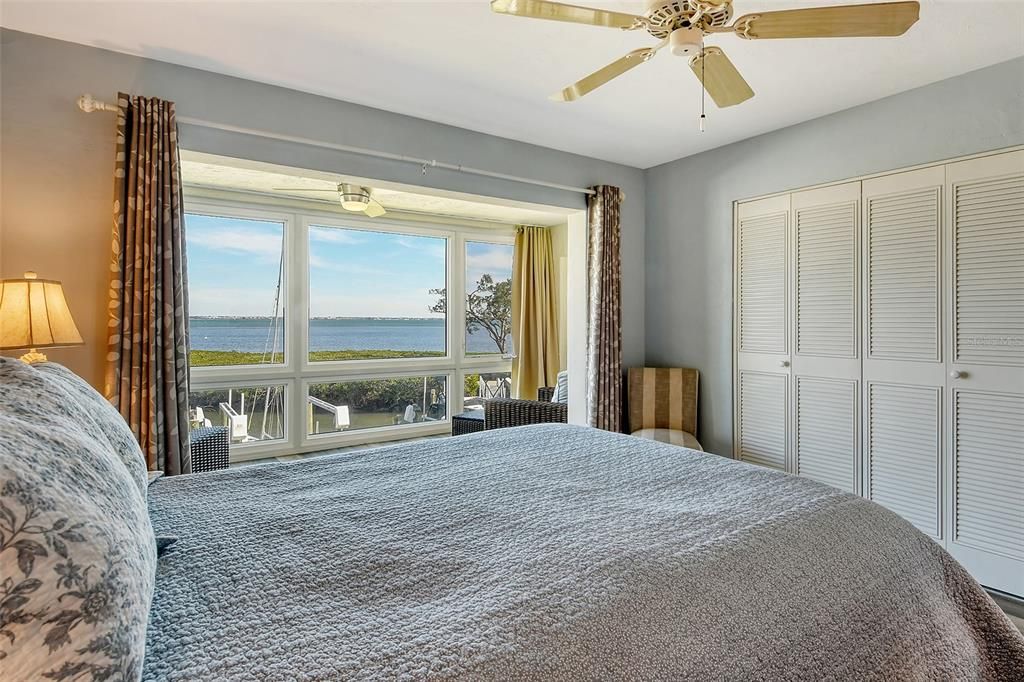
77 553
85 404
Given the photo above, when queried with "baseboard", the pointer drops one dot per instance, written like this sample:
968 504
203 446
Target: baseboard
1009 603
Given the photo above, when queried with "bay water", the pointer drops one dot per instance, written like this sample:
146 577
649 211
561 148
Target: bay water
250 334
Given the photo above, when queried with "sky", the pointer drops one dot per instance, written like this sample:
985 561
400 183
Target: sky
233 269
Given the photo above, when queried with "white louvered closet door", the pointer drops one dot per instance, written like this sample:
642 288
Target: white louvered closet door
825 330
903 369
762 335
985 379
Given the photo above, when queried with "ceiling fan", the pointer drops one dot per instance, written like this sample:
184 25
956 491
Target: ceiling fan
682 25
353 198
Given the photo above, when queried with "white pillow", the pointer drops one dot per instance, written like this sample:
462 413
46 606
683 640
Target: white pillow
561 394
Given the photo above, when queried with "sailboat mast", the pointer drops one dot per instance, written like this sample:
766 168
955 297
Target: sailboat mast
272 338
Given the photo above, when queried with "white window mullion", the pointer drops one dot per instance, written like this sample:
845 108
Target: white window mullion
298 297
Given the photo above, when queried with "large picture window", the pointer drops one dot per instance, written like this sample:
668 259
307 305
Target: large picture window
371 295
315 329
236 290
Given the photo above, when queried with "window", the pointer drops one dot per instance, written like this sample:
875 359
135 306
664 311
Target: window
488 298
479 387
376 295
236 290
372 346
372 403
251 413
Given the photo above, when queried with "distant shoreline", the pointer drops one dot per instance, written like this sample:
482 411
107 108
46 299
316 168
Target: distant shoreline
265 317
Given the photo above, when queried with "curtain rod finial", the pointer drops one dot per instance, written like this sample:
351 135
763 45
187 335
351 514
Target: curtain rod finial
89 104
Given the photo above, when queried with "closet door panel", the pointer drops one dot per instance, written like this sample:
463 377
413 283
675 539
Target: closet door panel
826 357
988 262
763 424
986 368
761 283
988 487
903 275
761 324
827 428
903 367
903 449
826 277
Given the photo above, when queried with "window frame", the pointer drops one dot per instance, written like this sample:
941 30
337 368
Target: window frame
257 449
297 372
219 210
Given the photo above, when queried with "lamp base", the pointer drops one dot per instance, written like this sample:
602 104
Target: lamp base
33 356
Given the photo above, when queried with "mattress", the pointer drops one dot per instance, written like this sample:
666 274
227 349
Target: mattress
553 552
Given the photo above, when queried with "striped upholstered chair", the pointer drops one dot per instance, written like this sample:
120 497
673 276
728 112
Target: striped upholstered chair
663 404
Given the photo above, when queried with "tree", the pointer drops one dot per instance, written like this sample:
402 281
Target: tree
488 307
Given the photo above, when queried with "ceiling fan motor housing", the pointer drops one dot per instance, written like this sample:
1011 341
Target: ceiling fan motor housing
664 17
353 197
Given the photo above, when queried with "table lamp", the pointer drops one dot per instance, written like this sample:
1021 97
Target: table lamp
34 314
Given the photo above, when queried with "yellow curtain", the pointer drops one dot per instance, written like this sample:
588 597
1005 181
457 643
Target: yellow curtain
534 321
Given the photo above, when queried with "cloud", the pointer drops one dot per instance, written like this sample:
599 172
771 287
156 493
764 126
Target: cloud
224 301
490 259
432 247
316 262
494 260
236 240
333 235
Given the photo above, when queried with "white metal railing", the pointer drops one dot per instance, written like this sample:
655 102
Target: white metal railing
340 413
238 424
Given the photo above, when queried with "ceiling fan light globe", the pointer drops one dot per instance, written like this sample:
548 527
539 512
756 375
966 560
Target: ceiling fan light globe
353 204
686 42
354 197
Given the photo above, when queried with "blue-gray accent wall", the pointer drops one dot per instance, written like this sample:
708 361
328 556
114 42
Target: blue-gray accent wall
689 206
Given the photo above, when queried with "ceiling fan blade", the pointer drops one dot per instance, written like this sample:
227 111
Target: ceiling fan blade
374 209
843 21
302 189
605 74
556 11
720 78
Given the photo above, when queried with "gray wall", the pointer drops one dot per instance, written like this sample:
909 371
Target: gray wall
56 164
689 206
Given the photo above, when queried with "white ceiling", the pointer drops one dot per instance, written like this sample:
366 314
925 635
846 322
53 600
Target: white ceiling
211 172
457 63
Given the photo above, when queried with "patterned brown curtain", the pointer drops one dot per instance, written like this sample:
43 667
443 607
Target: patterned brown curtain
147 359
604 333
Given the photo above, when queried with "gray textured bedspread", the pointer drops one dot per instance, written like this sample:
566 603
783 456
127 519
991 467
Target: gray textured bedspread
553 552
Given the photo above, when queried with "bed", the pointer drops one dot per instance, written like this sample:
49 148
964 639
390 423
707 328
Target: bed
541 552
553 552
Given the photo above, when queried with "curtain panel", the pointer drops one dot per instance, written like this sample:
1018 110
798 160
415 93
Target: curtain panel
604 330
535 321
147 358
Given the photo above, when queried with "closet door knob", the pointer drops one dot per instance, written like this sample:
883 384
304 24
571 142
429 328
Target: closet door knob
957 374
783 363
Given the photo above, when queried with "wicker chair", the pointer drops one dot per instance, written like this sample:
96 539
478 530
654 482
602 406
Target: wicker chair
209 448
500 413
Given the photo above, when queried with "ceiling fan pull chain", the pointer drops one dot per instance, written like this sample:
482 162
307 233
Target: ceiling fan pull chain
703 90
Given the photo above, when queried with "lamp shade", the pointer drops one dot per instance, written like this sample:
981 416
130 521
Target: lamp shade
34 314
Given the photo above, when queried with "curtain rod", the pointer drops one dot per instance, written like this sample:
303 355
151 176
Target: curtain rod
88 104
